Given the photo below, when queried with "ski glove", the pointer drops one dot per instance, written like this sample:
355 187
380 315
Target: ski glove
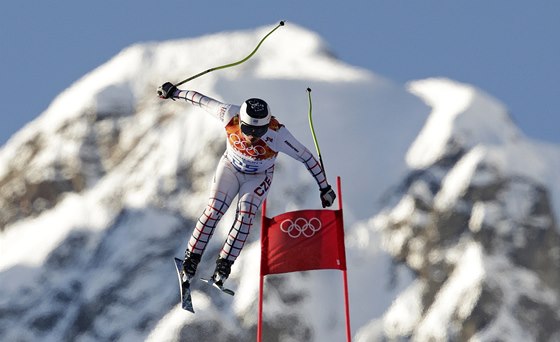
167 90
327 196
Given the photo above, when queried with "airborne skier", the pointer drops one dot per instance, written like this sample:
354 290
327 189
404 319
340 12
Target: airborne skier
254 138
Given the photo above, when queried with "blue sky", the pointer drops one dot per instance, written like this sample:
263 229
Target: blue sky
509 49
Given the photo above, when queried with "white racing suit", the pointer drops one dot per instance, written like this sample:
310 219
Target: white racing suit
246 170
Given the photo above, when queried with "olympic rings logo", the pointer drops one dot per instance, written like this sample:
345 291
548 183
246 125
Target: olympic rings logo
241 145
301 226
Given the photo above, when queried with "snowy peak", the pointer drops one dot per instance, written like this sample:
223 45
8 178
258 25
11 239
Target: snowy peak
461 115
470 126
304 55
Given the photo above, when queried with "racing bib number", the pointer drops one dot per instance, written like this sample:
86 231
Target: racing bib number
244 166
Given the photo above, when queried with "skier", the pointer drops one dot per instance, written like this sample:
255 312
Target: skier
254 138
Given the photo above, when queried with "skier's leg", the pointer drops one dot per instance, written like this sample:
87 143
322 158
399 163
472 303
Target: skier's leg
251 195
224 188
247 207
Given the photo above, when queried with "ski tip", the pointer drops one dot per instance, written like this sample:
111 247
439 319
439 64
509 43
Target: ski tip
221 288
189 309
178 265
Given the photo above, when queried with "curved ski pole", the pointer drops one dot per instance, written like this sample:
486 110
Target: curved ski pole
234 63
313 132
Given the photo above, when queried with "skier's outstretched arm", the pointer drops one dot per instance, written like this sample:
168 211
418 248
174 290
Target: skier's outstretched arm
292 147
223 111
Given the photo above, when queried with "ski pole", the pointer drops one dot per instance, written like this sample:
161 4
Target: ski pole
234 63
313 132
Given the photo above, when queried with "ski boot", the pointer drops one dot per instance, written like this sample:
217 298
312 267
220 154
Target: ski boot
190 264
222 271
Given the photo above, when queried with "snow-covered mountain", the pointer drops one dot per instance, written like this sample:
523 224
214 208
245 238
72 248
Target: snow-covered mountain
451 212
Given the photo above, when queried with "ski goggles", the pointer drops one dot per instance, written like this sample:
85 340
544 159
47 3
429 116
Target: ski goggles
255 131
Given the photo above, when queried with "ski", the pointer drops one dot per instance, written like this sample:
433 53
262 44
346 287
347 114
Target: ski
184 287
220 287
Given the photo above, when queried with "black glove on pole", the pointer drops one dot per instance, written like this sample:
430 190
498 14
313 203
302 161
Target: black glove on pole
166 90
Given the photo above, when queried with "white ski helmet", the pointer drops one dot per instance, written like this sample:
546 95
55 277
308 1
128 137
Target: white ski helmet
254 117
